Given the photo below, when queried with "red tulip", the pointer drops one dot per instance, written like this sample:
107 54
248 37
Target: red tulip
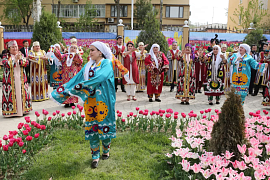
74 112
29 138
73 107
36 135
168 115
266 112
20 125
69 113
54 113
42 127
175 117
201 112
161 114
258 112
12 140
117 111
137 109
140 112
10 144
27 119
251 113
119 115
204 116
57 111
123 120
131 113
63 114
176 113
15 133
49 118
28 129
128 115
209 110
82 115
191 112
38 126
25 132
216 110
5 147
10 136
21 144
135 115
1 144
19 139
23 151
80 109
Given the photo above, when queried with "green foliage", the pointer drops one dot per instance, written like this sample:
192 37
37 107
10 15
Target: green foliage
46 31
253 13
140 12
132 156
229 130
88 17
254 37
16 11
85 55
151 33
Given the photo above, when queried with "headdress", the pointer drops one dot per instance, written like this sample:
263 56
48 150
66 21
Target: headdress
153 54
12 43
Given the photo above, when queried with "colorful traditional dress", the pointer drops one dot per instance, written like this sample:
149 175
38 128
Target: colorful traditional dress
16 100
173 58
155 75
39 78
214 84
200 72
71 65
142 71
94 85
55 69
227 73
187 77
241 73
118 53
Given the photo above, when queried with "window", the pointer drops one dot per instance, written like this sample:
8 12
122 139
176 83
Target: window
239 20
241 1
74 10
263 4
123 11
174 11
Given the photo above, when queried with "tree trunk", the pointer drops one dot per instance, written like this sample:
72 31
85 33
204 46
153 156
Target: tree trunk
58 10
161 13
118 10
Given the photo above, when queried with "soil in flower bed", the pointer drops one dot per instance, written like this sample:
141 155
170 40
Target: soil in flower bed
133 155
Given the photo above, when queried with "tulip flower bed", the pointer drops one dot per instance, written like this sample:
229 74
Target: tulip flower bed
155 121
19 146
192 160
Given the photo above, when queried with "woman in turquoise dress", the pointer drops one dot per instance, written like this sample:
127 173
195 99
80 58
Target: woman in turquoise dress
242 63
94 85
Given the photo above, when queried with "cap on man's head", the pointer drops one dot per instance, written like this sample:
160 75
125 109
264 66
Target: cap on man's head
119 37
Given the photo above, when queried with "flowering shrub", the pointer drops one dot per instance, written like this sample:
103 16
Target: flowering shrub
192 160
149 121
19 146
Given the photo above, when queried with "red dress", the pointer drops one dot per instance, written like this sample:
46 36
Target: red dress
200 69
155 76
133 64
118 53
68 72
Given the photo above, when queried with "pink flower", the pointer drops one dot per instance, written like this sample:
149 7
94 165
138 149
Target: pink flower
228 155
160 114
196 168
25 132
82 115
10 136
27 119
73 107
145 113
175 117
36 135
206 111
54 113
123 120
20 125
216 110
242 149
23 151
140 112
146 110
131 113
57 111
135 115
185 165
191 112
128 115
49 118
74 112
176 113
209 110
119 115
80 109
19 139
117 111
251 113
69 113
201 112
42 127
63 114
204 116
157 113
5 148
170 41
266 112
183 115
137 108
45 112
241 165
168 115
10 144
258 112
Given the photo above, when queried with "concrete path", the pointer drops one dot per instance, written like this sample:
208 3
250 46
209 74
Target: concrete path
168 101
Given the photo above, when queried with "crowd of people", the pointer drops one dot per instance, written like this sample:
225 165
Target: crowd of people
135 70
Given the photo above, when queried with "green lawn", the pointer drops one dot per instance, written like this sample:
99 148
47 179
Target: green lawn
133 155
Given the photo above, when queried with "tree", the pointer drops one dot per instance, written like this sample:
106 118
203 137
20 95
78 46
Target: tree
140 12
253 13
88 17
46 32
151 33
229 130
17 11
254 37
161 14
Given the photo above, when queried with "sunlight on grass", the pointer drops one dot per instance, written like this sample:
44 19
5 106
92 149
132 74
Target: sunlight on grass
134 155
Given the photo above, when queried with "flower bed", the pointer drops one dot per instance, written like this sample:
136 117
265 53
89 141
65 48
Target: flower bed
19 146
192 160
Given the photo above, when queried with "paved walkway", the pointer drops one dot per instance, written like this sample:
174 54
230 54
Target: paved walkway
168 101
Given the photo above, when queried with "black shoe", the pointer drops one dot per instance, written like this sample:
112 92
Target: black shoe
105 157
72 104
253 94
217 102
150 100
94 164
123 90
66 105
171 90
187 103
196 91
210 103
158 100
199 91
182 103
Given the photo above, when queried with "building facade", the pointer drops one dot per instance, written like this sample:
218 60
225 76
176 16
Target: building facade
175 12
234 4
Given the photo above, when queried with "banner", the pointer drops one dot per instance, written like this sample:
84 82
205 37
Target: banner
171 36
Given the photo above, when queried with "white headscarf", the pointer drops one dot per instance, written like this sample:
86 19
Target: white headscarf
106 51
246 47
153 54
50 55
216 63
71 55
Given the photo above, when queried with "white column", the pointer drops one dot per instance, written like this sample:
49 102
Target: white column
132 9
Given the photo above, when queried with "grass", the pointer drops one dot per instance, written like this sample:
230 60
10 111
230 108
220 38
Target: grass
133 155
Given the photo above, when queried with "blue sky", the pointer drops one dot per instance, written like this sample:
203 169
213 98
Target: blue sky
202 11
